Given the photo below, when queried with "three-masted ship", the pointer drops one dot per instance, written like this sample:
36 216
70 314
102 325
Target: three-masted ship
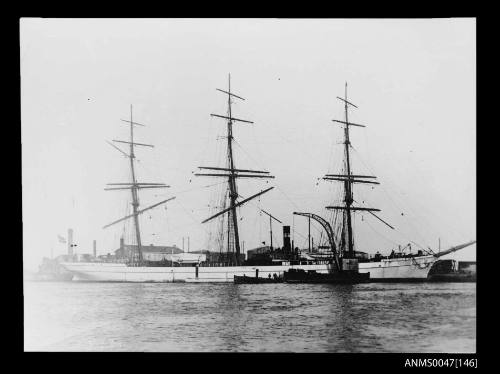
341 255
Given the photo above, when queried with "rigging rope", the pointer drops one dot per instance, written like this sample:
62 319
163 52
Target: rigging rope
380 234
417 232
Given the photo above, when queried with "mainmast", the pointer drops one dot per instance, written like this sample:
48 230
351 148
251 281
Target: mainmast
233 192
348 180
233 240
135 197
134 186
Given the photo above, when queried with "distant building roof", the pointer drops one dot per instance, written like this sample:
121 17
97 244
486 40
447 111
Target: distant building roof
151 249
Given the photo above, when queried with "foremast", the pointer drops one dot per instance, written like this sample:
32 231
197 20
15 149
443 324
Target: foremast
348 196
134 186
233 240
348 179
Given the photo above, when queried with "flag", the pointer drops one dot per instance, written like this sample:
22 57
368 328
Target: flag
61 239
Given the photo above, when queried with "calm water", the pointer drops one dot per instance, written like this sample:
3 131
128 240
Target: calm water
72 316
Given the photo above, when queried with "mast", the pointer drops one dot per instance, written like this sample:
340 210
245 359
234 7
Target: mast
135 197
233 240
348 179
134 186
271 217
348 197
233 193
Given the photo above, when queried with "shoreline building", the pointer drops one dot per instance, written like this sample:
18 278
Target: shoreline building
150 252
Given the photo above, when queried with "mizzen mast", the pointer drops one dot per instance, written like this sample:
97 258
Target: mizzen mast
232 173
134 186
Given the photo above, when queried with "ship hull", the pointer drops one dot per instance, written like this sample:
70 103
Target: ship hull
399 269
121 273
407 269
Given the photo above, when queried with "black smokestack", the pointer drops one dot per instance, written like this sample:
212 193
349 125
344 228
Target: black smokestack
286 238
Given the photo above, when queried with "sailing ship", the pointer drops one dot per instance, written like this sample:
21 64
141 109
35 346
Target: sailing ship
341 255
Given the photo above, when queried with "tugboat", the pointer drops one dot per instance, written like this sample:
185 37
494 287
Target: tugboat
312 276
257 280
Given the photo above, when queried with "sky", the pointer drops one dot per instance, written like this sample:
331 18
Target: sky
413 81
